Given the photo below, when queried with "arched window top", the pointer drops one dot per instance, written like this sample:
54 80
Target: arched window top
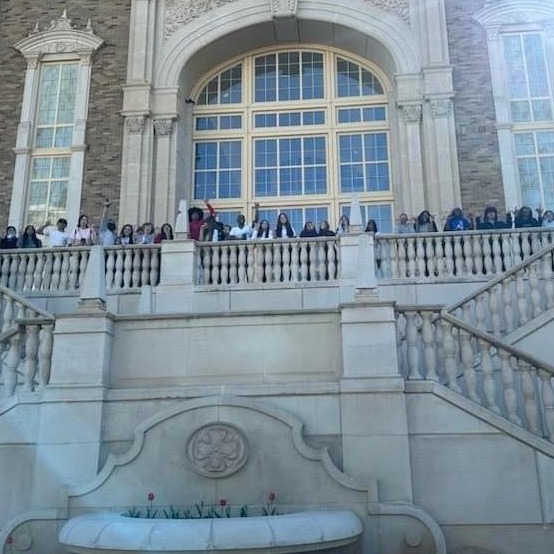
290 76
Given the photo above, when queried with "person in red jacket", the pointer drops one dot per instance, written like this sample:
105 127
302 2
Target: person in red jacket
196 220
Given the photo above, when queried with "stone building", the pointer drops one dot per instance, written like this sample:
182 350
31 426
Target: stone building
406 380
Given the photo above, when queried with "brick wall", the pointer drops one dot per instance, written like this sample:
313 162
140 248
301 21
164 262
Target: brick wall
478 153
110 21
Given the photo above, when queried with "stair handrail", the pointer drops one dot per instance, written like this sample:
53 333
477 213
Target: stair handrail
26 303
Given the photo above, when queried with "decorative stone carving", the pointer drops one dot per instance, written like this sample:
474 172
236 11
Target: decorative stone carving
180 12
59 36
411 112
441 107
283 8
163 126
399 7
217 450
135 125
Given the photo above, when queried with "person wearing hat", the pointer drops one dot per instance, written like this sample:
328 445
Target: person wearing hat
197 221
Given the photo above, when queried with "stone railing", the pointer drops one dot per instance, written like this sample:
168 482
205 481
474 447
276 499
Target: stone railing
263 261
63 269
25 344
435 346
457 255
512 299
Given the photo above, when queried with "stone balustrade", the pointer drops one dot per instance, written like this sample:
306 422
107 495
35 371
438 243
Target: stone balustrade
512 299
63 269
432 256
262 261
25 344
433 345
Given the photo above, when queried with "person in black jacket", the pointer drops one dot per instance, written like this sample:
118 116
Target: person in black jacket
10 240
490 220
524 218
29 238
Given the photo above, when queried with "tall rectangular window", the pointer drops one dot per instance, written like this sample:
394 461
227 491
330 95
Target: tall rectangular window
217 169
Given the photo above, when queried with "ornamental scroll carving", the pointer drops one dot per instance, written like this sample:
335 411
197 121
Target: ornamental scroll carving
163 126
180 12
399 7
217 450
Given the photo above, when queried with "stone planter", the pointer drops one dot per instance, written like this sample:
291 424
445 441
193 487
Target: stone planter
298 532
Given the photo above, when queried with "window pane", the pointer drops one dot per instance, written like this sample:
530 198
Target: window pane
265 80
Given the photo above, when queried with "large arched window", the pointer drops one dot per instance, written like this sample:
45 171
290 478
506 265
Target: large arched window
296 131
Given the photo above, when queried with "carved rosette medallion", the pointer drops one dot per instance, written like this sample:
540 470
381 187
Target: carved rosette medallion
217 450
180 12
398 7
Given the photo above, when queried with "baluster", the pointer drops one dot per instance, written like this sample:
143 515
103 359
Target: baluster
468 369
510 396
224 264
10 365
136 260
304 261
440 261
31 356
450 365
233 263
535 240
467 266
534 284
48 268
507 302
8 313
30 271
74 269
332 260
264 262
494 309
38 273
413 347
547 395
215 265
155 266
45 355
401 246
255 251
458 255
429 346
118 278
311 249
521 294
65 269
322 271
21 271
289 255
4 278
110 266
420 257
548 280
502 246
56 270
145 266
480 311
488 246
14 270
478 252
529 396
388 262
466 312
430 256
83 262
449 256
411 255
277 264
525 245
127 267
489 386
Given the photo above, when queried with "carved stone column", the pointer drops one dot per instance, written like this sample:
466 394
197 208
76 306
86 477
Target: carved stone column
164 190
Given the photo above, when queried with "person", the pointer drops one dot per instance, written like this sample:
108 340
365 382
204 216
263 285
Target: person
404 226
262 230
148 234
10 240
309 230
29 238
166 233
58 236
284 229
425 223
371 226
524 218
83 235
107 229
490 220
226 233
547 219
344 225
212 230
197 221
325 230
457 222
126 235
241 230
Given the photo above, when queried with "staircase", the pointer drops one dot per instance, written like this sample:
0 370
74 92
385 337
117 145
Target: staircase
464 348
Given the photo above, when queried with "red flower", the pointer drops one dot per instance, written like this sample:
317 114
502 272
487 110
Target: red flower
151 496
271 496
9 539
223 502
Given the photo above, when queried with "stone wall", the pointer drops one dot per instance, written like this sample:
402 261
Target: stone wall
478 153
110 21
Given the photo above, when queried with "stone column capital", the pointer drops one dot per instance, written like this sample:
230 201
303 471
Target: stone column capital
135 124
411 112
163 126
